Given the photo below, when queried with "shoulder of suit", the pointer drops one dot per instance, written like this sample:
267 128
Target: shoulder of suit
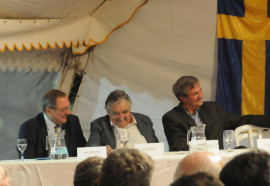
139 115
32 122
209 103
175 110
72 116
101 119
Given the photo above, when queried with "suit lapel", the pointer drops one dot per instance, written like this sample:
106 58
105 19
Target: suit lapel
110 133
43 130
141 127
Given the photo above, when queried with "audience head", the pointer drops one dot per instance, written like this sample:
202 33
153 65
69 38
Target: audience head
199 162
248 169
88 171
127 167
4 180
118 105
56 106
198 179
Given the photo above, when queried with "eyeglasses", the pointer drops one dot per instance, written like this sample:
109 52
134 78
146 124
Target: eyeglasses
62 110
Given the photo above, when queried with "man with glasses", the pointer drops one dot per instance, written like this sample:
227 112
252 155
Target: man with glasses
56 114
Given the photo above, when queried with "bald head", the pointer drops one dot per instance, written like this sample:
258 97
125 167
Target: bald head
199 162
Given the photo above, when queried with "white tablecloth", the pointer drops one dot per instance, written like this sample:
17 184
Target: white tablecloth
61 172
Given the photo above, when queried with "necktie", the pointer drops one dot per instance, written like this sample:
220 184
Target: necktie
57 128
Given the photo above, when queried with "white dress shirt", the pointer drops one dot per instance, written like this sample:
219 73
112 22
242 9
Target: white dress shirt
135 136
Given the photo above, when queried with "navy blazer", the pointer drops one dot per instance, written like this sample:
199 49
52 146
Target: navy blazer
102 133
35 131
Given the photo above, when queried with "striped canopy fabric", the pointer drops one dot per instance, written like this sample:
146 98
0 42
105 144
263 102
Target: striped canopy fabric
243 85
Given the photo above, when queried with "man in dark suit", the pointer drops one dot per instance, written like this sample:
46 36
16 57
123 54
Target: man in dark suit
55 105
193 111
106 130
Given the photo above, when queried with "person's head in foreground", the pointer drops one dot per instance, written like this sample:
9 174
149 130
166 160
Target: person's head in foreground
127 167
4 180
198 179
199 162
88 171
248 169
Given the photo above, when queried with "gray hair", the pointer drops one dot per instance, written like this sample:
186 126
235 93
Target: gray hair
116 96
49 99
180 86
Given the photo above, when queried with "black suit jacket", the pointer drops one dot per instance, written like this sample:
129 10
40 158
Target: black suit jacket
35 131
102 133
177 122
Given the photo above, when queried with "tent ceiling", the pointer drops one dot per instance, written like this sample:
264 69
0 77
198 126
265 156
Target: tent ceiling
47 9
28 24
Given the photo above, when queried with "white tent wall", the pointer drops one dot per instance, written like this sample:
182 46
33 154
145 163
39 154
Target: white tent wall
165 40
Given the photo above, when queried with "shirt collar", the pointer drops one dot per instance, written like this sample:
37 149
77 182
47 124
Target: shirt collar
48 121
197 110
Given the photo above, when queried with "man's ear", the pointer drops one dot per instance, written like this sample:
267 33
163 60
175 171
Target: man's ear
48 110
182 98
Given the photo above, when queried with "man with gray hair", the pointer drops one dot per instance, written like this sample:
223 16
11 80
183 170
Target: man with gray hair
130 167
120 121
193 111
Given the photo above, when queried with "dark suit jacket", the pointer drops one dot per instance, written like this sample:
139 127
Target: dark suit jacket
35 131
177 122
102 133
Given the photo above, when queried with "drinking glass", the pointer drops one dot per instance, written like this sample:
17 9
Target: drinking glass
124 138
21 145
229 136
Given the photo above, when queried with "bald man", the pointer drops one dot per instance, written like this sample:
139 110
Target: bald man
199 162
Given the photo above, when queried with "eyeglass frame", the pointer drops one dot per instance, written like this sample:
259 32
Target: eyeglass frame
62 110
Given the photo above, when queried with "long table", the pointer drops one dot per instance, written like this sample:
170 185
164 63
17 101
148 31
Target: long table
61 172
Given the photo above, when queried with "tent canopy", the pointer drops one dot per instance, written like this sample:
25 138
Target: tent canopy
64 23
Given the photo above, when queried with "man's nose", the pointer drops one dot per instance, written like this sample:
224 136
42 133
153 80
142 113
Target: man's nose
68 112
122 117
201 94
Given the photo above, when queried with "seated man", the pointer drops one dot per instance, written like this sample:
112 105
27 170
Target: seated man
105 131
88 171
199 162
192 111
198 179
127 167
55 105
248 169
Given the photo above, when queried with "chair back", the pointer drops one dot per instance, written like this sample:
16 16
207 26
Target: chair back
248 132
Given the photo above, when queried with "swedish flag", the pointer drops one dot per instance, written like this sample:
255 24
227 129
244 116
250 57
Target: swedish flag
243 85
